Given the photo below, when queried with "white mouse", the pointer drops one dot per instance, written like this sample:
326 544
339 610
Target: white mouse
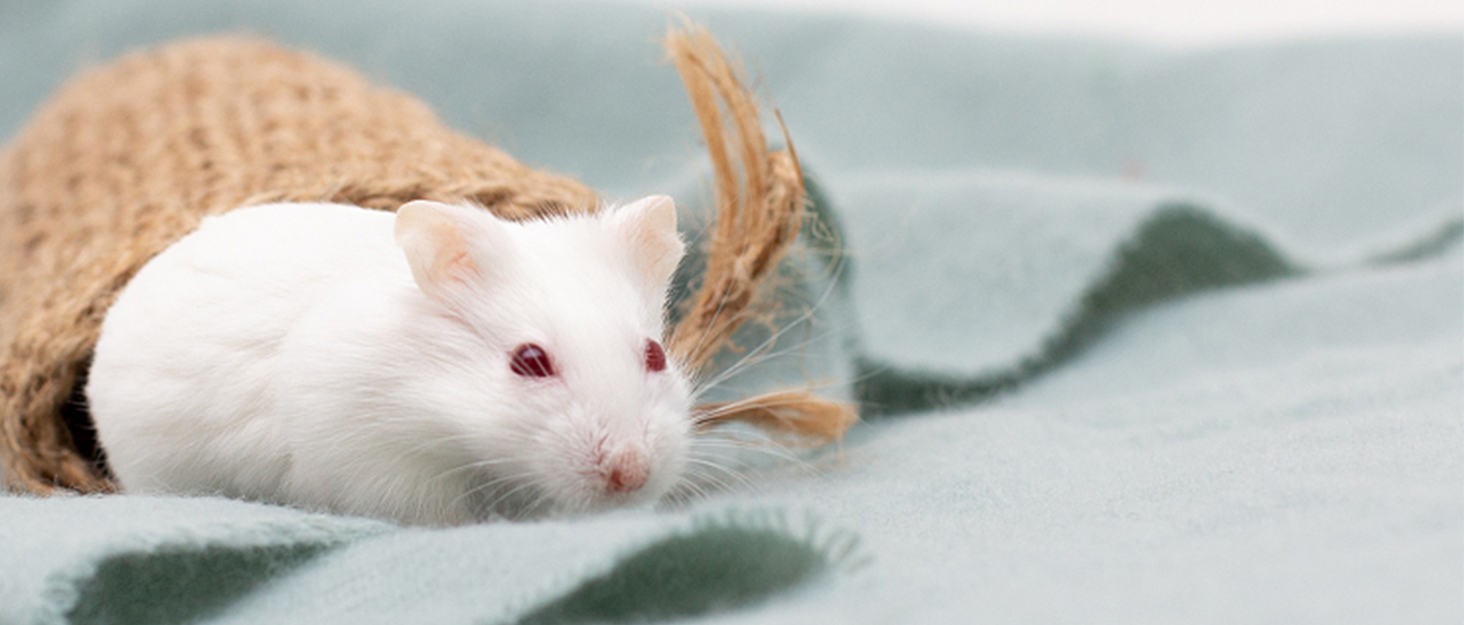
434 366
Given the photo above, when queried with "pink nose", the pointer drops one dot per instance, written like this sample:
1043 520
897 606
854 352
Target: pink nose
625 472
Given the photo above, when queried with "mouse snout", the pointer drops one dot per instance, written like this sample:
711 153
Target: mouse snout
625 471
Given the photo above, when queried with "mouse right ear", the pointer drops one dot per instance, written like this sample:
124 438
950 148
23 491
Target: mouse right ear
448 246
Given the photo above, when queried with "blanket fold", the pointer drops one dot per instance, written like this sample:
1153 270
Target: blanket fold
1025 271
167 560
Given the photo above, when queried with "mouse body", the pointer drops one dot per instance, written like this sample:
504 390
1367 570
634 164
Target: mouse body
433 366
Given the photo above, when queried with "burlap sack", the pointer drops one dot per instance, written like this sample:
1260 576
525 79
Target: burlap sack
129 157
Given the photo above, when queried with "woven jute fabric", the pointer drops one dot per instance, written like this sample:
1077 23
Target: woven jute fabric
129 157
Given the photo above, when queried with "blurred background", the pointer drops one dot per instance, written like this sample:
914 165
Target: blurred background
1169 22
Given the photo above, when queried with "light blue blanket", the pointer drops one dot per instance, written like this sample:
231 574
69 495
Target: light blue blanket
1143 335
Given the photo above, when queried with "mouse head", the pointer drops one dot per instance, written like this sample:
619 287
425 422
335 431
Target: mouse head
553 374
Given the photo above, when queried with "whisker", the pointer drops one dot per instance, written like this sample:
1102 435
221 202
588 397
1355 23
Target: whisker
728 471
753 358
758 444
469 466
704 477
796 322
774 399
520 477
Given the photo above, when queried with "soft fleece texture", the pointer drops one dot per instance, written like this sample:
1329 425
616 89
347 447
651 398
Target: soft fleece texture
1151 336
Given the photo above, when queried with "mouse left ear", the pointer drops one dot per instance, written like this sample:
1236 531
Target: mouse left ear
648 228
449 247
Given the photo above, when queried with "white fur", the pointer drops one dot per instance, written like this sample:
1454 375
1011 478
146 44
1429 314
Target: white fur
285 353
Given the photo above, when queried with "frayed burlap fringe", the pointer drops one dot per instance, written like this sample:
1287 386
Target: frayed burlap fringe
128 158
760 202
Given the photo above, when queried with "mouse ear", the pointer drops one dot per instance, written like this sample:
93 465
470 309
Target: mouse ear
648 228
448 247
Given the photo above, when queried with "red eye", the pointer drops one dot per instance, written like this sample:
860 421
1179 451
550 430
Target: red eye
530 360
655 357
